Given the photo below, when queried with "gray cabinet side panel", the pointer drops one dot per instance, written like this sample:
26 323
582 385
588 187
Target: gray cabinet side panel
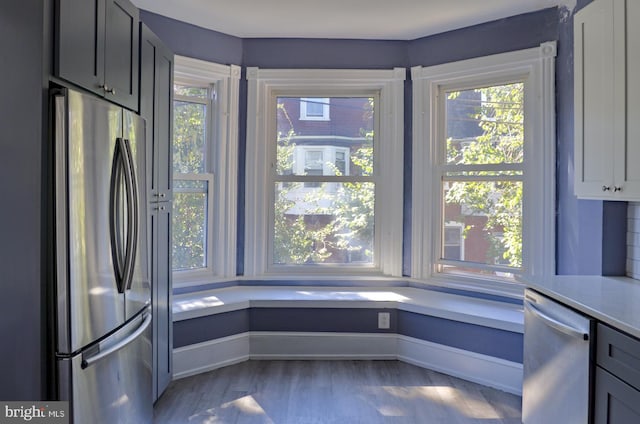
22 108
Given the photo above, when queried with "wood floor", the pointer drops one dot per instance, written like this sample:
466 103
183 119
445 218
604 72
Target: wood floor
327 392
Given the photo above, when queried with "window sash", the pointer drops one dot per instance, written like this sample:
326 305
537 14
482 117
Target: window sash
311 182
207 176
201 272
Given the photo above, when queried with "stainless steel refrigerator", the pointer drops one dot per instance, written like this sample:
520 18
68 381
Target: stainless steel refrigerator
103 336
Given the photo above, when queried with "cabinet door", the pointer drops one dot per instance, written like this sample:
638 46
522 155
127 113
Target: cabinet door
164 121
594 100
161 296
627 49
80 43
156 106
619 354
615 401
121 53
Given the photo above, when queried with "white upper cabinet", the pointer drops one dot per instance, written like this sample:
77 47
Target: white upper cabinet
607 100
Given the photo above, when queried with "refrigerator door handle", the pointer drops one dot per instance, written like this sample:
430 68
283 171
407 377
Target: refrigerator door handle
61 226
132 212
116 224
87 362
554 323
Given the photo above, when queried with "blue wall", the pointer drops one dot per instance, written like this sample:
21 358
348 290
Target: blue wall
579 245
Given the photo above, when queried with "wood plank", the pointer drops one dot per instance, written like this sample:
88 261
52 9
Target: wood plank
309 392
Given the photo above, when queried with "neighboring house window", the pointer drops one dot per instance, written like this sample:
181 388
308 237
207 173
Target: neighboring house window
483 155
314 109
313 164
322 197
453 241
204 165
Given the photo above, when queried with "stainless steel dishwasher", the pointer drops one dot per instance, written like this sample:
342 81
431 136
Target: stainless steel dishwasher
557 362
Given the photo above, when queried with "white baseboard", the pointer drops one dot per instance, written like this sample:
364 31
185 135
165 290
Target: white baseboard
291 345
482 369
206 356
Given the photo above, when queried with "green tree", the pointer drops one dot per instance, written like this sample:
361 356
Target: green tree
313 236
295 241
189 203
500 117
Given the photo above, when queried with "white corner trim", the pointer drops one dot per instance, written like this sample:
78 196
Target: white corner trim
206 356
482 369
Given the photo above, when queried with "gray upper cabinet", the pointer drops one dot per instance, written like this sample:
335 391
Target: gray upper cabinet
97 47
156 101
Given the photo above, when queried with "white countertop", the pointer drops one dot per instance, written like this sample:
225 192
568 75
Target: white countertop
488 313
612 300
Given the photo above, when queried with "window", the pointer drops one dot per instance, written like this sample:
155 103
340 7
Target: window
314 109
453 241
481 175
204 164
326 200
193 185
483 206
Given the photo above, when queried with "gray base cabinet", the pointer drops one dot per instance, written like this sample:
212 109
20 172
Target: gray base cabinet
156 102
97 48
615 401
617 378
162 336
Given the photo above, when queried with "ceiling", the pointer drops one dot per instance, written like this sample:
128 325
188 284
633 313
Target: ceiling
357 19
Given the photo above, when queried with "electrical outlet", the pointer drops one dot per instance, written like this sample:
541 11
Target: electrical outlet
384 320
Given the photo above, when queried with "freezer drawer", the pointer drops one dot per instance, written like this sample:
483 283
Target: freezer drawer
115 388
557 363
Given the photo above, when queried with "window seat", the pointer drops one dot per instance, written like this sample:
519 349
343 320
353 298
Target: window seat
487 313
475 339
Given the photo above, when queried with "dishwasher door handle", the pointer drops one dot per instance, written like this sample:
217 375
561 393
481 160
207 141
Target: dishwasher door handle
552 322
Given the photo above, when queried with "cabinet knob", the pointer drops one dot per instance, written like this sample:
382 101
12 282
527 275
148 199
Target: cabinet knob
617 188
107 89
606 188
162 195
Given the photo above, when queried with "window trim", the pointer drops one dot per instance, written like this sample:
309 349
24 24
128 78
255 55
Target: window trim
264 85
536 66
222 166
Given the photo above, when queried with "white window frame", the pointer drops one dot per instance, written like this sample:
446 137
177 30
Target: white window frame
536 66
264 86
304 116
222 166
